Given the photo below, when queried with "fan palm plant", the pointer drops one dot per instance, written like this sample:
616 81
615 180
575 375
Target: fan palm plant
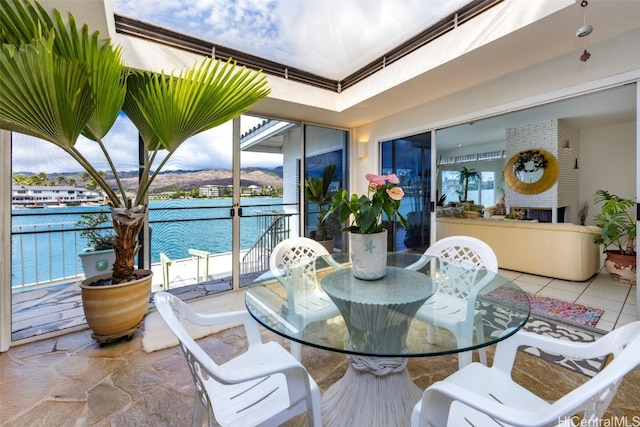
58 81
465 176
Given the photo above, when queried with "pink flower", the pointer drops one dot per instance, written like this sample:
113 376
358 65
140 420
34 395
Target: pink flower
366 211
393 179
396 193
376 180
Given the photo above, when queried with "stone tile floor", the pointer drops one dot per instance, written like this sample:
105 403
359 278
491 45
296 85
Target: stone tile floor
71 381
51 310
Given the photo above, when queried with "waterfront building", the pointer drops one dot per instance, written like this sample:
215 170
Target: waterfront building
38 196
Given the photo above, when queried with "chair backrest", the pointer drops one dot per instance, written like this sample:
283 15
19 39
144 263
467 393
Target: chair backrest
173 311
296 257
465 249
592 399
456 252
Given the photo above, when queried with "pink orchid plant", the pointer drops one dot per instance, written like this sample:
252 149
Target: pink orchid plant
384 195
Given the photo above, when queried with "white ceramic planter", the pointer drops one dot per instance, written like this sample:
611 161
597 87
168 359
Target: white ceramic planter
97 262
368 254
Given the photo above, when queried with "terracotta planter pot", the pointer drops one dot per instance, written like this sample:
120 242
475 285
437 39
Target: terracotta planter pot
327 244
368 254
621 268
116 310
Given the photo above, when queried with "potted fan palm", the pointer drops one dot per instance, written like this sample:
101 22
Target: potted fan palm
317 191
618 231
58 81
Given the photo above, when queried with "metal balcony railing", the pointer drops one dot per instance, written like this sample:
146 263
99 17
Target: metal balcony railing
276 229
45 251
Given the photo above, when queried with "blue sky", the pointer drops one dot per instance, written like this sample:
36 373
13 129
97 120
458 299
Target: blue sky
332 38
208 150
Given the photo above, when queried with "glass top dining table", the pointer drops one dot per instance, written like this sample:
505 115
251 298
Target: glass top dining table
329 308
423 306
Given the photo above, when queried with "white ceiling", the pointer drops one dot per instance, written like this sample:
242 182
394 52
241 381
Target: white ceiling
544 40
547 38
607 107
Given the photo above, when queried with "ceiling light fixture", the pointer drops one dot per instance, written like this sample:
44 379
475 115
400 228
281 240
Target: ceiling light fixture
585 30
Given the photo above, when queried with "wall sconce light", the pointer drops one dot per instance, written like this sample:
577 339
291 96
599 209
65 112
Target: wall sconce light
361 148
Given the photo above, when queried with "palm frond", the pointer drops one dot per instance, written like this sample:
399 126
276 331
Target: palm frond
43 95
200 98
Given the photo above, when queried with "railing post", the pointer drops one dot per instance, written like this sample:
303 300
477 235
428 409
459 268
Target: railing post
166 263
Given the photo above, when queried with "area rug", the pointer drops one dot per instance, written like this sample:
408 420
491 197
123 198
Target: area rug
563 330
552 323
577 313
552 307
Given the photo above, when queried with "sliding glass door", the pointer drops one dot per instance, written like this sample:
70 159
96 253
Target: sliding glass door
325 157
410 159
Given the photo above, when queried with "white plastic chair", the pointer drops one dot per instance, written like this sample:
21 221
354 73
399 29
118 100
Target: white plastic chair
481 396
263 386
452 306
293 262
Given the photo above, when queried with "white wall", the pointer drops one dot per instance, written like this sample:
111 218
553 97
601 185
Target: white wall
607 161
559 78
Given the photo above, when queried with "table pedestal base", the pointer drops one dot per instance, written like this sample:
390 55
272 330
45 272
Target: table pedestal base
375 391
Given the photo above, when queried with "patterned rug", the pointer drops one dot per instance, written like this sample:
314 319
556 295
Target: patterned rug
566 331
554 308
559 324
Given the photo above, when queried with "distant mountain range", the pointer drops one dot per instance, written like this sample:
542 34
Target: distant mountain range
188 180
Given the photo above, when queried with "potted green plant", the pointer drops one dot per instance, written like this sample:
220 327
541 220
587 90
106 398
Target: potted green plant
58 81
317 191
98 257
617 230
367 235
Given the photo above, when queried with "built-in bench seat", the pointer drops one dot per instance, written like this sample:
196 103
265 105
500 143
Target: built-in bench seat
558 250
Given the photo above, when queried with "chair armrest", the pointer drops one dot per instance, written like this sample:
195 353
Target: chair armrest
282 366
250 325
332 262
440 395
424 260
506 349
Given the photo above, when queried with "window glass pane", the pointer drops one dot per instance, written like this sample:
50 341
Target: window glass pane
325 148
410 159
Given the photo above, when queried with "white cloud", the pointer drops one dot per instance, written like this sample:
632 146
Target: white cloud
208 150
331 38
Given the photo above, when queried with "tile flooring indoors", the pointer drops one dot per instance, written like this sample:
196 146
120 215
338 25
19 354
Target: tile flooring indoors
71 381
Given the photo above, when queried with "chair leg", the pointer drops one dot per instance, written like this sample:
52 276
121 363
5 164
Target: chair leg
480 337
314 403
296 350
464 358
198 411
431 334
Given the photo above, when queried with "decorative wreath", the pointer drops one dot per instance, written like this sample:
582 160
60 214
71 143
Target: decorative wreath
524 157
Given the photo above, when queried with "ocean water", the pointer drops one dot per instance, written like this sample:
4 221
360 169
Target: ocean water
45 242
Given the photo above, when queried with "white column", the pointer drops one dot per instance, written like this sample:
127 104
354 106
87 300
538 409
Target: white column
637 180
5 253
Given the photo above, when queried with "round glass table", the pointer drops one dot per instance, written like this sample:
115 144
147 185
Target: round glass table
424 306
